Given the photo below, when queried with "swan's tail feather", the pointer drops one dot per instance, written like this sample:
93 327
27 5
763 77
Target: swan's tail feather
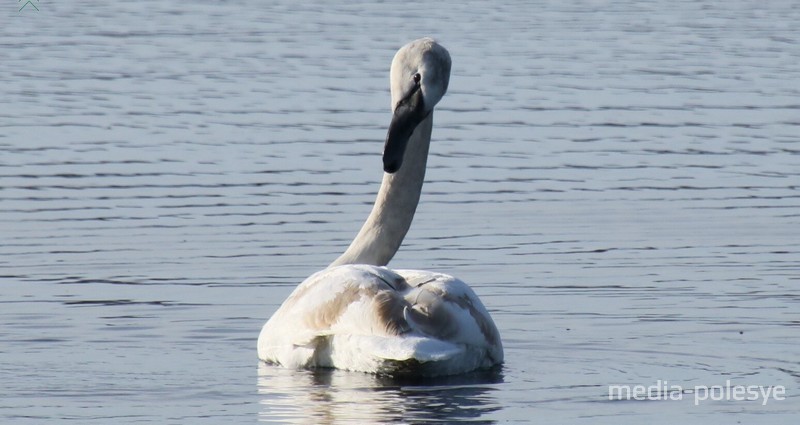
376 354
417 348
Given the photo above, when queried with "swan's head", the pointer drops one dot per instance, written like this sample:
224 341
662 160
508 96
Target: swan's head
419 77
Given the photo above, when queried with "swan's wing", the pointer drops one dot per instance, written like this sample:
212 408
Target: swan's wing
447 309
345 300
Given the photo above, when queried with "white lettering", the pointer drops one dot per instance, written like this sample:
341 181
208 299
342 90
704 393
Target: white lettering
639 392
753 391
662 390
619 389
738 392
676 392
718 390
779 389
697 390
765 391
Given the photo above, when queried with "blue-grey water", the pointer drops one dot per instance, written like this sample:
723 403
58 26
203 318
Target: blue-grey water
619 181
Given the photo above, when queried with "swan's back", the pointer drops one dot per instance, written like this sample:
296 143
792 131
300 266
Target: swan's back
371 319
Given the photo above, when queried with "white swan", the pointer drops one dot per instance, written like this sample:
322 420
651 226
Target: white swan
358 315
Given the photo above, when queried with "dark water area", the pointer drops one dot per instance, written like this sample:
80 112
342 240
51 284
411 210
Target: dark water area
618 181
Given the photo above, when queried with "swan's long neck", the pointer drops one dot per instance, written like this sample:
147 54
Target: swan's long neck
383 232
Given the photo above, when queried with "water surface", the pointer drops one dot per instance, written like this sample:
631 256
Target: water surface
618 181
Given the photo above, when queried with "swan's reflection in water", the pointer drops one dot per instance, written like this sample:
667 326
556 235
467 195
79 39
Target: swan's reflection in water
330 396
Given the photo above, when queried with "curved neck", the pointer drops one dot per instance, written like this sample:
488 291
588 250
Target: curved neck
383 232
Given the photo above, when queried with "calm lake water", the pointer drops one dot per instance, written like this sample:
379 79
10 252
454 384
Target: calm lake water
618 181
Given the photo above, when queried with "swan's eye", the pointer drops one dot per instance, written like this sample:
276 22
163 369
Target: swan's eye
417 77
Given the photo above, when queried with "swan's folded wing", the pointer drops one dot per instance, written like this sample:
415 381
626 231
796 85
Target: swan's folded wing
352 299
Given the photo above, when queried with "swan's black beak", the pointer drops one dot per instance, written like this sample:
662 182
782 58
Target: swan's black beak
410 111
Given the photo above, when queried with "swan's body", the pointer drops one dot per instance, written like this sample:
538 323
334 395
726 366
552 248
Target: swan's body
359 315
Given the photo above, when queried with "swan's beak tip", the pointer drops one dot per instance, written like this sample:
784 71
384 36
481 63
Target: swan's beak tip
391 166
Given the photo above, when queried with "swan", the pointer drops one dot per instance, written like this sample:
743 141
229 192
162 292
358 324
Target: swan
359 315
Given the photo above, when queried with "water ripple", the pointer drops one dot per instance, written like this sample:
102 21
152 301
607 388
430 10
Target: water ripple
616 181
